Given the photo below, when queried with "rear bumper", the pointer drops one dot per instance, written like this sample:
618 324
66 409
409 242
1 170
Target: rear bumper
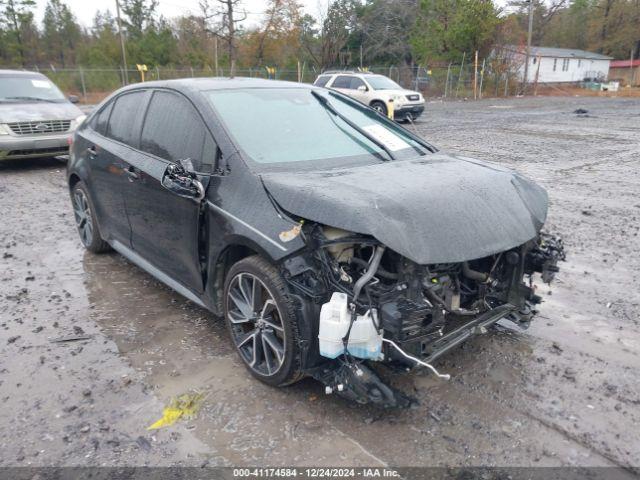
414 110
34 146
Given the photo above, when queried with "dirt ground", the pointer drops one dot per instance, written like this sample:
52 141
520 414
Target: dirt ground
565 392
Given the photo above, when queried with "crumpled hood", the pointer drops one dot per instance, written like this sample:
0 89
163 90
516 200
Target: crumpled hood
32 112
436 209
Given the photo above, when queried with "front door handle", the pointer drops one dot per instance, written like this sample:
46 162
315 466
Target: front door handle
131 173
92 151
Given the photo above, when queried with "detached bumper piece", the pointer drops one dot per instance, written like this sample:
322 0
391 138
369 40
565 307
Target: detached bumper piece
358 383
544 256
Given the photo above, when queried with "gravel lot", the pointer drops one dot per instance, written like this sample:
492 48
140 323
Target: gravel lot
565 392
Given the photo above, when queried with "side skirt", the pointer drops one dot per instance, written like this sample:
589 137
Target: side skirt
136 259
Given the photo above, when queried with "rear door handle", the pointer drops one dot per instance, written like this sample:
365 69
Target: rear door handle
92 151
131 173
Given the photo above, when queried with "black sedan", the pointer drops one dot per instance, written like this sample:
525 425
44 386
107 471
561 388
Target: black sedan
330 238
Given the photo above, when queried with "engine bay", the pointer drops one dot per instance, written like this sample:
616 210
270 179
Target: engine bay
375 305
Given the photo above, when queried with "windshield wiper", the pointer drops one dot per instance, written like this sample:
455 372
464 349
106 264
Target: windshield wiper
327 105
35 99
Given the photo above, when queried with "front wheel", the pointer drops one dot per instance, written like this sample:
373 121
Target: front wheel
262 321
379 107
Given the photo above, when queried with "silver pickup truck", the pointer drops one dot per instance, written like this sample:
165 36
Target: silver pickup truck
36 119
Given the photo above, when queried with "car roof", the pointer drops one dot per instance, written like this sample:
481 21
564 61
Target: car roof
349 72
19 73
221 83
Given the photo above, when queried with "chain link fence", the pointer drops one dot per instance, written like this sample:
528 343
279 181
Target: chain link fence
450 81
454 80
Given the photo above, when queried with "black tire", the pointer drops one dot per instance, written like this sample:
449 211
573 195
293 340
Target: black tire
379 106
86 222
281 328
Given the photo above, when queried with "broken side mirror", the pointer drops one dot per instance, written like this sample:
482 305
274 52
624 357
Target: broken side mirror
74 98
182 182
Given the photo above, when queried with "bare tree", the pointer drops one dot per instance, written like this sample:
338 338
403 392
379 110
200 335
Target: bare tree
606 11
281 17
386 27
543 13
324 45
222 19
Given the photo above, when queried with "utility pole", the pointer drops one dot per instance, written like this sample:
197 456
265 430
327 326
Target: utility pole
124 55
526 65
631 69
475 77
215 53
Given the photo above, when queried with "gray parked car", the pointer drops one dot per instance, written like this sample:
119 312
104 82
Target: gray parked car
36 119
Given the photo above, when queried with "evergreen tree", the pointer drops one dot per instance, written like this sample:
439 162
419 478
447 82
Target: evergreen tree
61 33
16 20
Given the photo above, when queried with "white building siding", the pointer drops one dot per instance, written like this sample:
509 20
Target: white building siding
556 65
556 69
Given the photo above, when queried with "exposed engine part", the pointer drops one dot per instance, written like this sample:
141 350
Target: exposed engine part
381 271
369 273
406 320
453 306
444 376
341 253
407 314
474 275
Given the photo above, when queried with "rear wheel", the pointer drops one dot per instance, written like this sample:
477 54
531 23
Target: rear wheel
262 321
86 221
379 106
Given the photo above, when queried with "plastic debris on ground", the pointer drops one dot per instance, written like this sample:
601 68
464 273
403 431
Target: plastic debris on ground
186 406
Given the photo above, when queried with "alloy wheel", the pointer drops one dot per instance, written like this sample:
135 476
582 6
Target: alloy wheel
256 324
82 214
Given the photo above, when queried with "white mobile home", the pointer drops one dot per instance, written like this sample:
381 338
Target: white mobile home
555 65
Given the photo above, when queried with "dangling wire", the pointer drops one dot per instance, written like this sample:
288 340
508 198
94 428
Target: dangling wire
444 376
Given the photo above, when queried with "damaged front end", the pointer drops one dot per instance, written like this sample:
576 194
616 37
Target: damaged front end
377 306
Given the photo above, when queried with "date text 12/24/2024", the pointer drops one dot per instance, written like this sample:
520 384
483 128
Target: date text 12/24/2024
315 472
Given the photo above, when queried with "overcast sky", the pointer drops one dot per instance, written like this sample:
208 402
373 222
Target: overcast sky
84 10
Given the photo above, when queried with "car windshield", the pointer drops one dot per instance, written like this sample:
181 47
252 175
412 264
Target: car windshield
28 89
286 125
383 83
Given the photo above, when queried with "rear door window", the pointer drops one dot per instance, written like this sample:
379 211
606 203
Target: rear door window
342 81
173 130
356 82
122 122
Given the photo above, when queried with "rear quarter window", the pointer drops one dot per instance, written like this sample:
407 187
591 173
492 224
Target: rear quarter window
101 120
322 80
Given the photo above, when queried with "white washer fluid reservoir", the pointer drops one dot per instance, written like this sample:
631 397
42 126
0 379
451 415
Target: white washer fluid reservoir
364 340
